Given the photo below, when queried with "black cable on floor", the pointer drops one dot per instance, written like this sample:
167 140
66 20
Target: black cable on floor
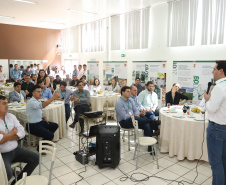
80 176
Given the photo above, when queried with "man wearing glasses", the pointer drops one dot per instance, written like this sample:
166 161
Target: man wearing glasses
81 99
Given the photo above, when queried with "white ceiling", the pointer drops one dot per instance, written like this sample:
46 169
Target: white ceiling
57 11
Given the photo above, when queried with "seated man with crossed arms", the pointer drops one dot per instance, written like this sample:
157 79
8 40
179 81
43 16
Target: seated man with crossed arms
81 99
10 131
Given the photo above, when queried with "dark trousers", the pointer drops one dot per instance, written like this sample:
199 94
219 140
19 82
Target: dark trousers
80 109
67 111
43 129
143 123
14 80
150 115
216 147
20 155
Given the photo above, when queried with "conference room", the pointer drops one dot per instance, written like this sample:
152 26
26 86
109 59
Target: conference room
112 92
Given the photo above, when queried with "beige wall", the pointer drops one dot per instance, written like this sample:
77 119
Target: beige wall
28 43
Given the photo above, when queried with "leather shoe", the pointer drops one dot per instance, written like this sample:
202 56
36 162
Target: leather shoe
72 125
157 132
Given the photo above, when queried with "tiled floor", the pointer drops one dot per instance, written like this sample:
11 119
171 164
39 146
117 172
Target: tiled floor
66 168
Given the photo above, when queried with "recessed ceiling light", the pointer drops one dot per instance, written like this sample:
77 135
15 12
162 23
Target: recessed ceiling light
23 1
8 17
53 22
79 11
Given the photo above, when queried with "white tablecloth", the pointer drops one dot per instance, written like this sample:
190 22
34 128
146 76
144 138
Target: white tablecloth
182 136
98 102
54 112
3 175
7 88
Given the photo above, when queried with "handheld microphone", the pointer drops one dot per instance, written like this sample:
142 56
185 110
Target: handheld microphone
208 89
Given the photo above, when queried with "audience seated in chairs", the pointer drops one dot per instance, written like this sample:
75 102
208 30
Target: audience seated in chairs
10 131
64 95
18 94
143 112
39 125
27 87
125 108
46 92
81 99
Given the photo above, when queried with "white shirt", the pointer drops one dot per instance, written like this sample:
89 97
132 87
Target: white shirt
86 87
85 72
96 88
11 122
216 106
2 76
80 74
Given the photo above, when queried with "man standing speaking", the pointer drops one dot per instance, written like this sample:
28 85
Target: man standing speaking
216 131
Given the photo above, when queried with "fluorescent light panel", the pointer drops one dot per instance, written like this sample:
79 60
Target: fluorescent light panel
8 17
53 22
23 1
79 11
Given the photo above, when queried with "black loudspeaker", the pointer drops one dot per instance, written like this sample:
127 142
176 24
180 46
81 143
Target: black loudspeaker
108 146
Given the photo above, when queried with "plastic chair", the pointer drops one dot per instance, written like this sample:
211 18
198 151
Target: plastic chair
129 130
108 109
143 141
47 147
24 120
23 180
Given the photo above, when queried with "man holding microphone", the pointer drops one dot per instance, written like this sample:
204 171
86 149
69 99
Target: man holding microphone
216 131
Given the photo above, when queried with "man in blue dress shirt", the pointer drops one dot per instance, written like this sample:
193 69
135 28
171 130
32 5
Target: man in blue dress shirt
64 95
46 92
125 108
39 125
15 74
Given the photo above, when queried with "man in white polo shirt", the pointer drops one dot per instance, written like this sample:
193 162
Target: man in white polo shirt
10 131
216 131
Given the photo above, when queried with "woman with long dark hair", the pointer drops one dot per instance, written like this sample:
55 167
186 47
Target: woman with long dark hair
43 76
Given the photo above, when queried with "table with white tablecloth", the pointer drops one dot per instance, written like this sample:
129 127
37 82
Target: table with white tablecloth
54 112
182 136
98 102
7 88
3 175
